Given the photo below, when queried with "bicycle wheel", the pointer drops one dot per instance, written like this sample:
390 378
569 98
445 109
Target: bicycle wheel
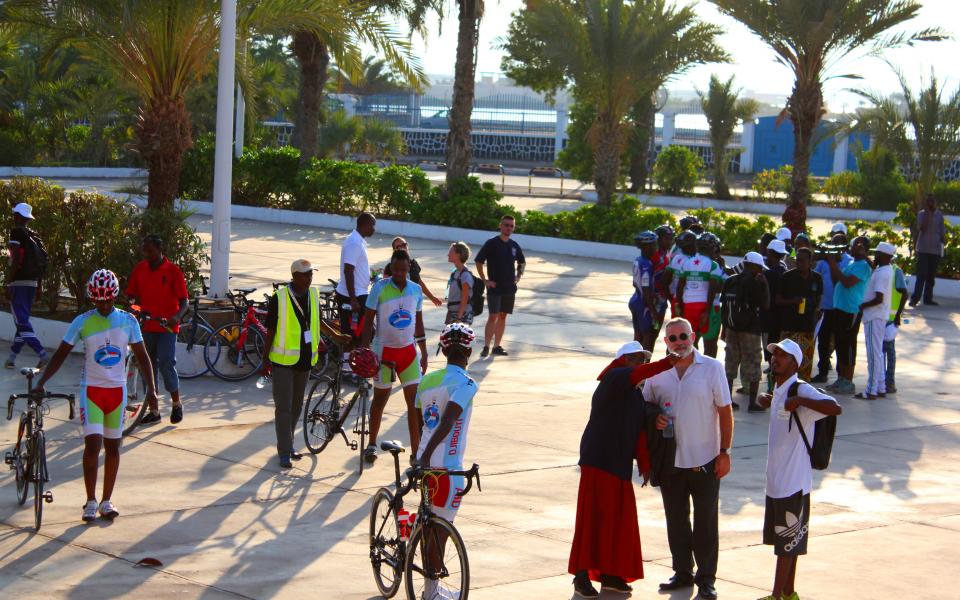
360 426
326 359
191 340
39 476
21 460
230 361
386 548
437 564
321 415
136 405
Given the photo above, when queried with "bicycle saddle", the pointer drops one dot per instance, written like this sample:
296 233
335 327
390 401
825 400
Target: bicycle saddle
244 290
393 446
29 371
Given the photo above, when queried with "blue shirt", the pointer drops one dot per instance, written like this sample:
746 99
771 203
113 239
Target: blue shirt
849 299
823 267
642 276
106 341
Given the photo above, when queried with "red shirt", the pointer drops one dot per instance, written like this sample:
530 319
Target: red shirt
159 292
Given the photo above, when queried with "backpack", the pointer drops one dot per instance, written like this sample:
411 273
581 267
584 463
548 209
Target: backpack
35 257
476 295
742 313
823 434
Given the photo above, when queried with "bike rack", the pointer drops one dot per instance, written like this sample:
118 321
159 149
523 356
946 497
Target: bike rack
544 172
491 169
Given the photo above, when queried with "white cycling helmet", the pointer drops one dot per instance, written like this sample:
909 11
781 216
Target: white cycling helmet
103 285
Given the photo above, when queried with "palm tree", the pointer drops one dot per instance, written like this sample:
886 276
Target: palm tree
603 48
377 78
724 108
811 37
459 147
933 119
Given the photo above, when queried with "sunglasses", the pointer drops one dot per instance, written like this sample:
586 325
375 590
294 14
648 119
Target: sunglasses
399 246
682 337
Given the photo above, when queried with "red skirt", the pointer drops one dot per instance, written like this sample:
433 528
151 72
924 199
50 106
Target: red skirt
607 536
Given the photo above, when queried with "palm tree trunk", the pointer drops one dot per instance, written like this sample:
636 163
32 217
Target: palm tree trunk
644 115
720 186
805 108
313 57
607 137
163 135
459 147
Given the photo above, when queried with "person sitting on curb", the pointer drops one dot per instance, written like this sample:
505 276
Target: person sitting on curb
789 474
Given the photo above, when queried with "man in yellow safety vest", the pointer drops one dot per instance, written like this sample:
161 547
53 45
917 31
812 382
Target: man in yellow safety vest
293 337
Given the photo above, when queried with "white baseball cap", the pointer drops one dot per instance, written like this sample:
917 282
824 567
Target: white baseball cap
777 246
301 265
790 347
784 234
24 210
754 258
839 228
632 348
886 248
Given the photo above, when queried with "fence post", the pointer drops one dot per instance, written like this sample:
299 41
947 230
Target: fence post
669 127
561 131
748 141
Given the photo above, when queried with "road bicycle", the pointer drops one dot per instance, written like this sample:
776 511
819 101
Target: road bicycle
194 332
325 413
136 405
235 350
28 459
423 548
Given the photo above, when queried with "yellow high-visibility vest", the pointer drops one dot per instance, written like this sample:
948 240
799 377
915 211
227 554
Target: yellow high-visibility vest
288 336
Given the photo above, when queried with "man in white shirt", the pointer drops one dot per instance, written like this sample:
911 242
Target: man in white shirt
876 308
789 474
354 284
699 415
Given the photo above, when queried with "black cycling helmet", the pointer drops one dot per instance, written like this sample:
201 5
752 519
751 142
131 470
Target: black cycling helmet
708 242
645 237
686 237
664 230
688 221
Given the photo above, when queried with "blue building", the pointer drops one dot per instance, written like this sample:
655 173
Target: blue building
773 148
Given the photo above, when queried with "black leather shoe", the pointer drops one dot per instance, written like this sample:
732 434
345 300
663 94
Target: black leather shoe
677 582
820 377
707 591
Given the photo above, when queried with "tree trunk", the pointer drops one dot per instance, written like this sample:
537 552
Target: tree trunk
805 109
459 147
607 138
163 135
720 186
313 57
644 115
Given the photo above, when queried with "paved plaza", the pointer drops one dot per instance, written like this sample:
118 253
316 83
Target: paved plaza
208 499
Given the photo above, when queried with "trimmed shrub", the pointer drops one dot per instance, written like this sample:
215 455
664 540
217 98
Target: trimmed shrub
738 235
264 177
882 186
677 170
843 188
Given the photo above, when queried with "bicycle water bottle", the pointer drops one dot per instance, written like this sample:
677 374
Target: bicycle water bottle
668 411
403 520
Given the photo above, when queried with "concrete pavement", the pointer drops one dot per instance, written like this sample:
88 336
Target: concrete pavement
208 500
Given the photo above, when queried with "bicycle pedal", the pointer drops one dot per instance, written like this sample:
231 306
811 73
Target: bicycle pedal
8 459
353 445
48 497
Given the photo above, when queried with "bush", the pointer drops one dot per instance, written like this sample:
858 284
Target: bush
264 177
882 186
111 235
677 170
196 176
948 196
843 189
333 186
466 203
772 185
738 235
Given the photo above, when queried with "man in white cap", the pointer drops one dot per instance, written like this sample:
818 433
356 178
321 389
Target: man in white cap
795 404
784 235
743 297
293 337
876 308
827 326
28 264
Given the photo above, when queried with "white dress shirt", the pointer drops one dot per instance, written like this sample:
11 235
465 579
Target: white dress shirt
695 399
354 252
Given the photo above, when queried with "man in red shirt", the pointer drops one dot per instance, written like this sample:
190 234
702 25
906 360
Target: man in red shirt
160 289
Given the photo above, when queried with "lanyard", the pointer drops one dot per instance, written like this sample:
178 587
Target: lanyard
296 303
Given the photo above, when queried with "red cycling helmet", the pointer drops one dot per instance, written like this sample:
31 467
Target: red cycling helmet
103 285
364 362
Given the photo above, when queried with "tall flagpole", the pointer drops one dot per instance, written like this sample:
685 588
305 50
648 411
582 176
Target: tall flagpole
223 161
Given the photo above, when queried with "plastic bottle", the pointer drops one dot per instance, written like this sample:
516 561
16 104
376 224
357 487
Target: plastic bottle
802 308
668 411
263 381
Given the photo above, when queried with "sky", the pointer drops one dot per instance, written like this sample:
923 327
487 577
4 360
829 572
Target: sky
753 62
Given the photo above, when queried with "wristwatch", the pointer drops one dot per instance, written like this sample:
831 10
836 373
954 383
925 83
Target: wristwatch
725 451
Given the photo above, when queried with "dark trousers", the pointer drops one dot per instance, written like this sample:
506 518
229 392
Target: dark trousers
346 313
926 277
162 349
825 340
702 541
21 302
288 388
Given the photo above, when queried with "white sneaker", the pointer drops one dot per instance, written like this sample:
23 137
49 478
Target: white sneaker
90 510
108 510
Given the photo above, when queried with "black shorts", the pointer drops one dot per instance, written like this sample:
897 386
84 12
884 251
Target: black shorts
346 314
501 303
846 329
786 524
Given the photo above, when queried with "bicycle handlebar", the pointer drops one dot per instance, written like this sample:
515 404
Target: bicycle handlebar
70 398
417 473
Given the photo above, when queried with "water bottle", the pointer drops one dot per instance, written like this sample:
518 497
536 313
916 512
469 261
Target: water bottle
668 411
263 381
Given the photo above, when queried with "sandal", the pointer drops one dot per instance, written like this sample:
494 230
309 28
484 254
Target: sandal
864 396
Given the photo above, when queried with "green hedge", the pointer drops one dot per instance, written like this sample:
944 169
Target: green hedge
84 232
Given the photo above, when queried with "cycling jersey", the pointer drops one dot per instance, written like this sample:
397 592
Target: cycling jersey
661 261
642 275
698 271
720 275
106 341
436 391
396 312
676 266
